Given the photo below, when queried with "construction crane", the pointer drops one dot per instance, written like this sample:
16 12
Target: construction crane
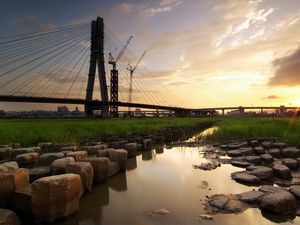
114 82
113 61
132 69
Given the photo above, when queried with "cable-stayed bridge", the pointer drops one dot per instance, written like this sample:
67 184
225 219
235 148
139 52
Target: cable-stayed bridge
82 64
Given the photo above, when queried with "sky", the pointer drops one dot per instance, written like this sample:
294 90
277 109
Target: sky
209 53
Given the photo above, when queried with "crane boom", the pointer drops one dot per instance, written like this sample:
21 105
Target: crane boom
139 61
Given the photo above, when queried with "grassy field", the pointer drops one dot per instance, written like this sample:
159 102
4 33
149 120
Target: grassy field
285 129
29 132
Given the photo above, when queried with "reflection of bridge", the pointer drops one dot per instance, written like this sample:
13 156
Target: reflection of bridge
60 66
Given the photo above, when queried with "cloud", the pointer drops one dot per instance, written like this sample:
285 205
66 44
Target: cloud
287 70
33 23
271 97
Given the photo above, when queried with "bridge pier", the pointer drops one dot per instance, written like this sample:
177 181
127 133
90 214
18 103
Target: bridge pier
183 112
97 59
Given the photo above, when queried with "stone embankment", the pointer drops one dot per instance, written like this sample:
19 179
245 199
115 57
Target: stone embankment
47 181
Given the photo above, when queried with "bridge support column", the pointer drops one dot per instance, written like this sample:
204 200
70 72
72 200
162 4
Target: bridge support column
223 112
183 113
97 59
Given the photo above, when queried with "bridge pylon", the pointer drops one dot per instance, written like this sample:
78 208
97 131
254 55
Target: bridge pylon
97 60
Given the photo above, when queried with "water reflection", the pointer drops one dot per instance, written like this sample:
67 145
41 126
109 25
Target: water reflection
202 135
169 181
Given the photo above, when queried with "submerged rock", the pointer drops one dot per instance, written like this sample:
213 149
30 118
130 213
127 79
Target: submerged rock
282 171
278 202
295 190
271 189
206 217
267 158
263 173
208 165
291 152
161 212
241 164
252 197
245 177
275 152
290 163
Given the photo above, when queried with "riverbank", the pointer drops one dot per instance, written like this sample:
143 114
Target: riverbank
31 132
282 129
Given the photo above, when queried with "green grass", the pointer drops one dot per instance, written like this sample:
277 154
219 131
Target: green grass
29 132
285 129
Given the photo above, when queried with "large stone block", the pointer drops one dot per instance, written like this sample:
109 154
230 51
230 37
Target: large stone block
92 150
59 165
147 144
114 168
85 171
48 158
78 155
39 172
131 148
45 146
7 166
21 200
100 166
104 152
28 159
19 151
11 181
119 156
56 197
6 153
8 217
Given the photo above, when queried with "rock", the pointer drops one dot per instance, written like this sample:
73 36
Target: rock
290 163
263 173
250 168
266 144
21 200
206 217
245 177
59 146
131 148
203 184
68 148
100 166
234 153
282 171
59 165
117 144
219 201
56 197
114 168
240 164
119 156
11 181
86 172
267 158
147 144
279 145
48 158
92 150
37 149
8 217
252 197
7 166
207 166
259 150
39 172
16 145
19 151
295 190
270 189
253 143
45 146
78 155
291 152
161 211
6 153
278 202
28 159
253 159
275 152
233 146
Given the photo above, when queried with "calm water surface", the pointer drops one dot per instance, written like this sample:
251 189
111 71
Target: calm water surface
163 179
